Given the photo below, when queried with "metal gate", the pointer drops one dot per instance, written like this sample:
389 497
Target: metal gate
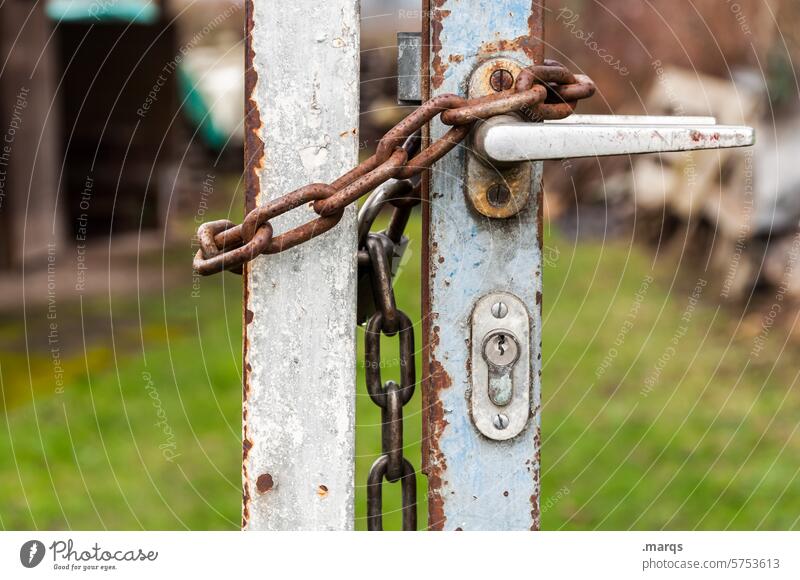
494 108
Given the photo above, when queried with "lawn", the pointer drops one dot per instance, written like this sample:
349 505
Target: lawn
656 413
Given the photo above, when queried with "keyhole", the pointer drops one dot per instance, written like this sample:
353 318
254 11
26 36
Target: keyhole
501 344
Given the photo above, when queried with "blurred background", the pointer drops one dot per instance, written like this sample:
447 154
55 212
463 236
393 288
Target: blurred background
671 303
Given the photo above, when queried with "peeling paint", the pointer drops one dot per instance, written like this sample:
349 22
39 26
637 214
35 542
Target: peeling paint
314 157
253 160
438 67
435 460
253 144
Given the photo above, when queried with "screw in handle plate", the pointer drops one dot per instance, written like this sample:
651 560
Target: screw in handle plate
500 421
499 310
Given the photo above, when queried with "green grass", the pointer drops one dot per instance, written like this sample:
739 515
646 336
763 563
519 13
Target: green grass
712 446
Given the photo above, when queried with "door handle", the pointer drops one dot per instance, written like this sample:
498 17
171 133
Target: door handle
506 139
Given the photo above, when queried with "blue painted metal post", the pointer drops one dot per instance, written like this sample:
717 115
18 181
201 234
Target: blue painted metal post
477 482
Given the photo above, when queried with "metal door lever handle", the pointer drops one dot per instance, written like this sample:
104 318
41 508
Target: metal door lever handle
506 139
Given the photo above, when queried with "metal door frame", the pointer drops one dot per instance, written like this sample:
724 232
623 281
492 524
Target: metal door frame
476 483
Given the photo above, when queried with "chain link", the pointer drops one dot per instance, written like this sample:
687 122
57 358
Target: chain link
541 92
388 320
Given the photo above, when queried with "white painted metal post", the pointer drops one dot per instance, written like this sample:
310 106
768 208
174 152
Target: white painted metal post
302 82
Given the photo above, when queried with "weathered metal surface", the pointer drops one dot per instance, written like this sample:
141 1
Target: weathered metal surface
508 141
299 351
483 177
409 68
476 483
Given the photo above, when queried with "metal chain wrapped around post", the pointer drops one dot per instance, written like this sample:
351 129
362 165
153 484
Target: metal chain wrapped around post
541 92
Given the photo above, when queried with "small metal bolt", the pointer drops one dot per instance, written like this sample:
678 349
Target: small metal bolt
501 80
499 310
498 195
500 421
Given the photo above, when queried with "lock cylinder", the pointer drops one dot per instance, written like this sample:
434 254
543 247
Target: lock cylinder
501 371
501 351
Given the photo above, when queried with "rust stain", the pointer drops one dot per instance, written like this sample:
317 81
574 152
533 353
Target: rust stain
520 43
435 461
493 47
533 45
539 190
439 68
322 491
245 505
253 145
535 510
456 58
247 445
253 161
437 64
247 369
245 487
427 274
264 483
435 335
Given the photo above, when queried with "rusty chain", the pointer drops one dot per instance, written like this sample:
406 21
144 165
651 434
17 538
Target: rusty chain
541 92
378 258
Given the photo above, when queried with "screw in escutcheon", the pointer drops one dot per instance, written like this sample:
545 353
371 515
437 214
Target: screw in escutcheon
500 421
498 195
499 310
501 80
